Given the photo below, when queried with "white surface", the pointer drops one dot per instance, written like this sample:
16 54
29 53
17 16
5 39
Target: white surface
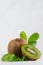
18 15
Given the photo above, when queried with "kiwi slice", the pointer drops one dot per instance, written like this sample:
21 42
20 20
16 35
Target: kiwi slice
30 52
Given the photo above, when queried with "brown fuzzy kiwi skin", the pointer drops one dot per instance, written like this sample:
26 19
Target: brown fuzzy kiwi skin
14 46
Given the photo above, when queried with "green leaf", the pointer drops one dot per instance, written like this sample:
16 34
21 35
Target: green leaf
5 57
23 35
9 57
32 43
12 58
22 59
33 37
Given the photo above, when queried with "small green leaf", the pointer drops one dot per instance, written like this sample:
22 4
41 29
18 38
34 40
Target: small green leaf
32 43
33 37
5 57
22 59
12 58
23 35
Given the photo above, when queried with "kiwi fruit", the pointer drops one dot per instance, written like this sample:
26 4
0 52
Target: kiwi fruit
30 52
14 46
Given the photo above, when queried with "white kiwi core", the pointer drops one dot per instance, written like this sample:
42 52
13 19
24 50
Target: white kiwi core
30 50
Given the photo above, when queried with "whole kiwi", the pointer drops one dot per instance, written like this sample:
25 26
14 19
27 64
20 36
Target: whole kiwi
14 46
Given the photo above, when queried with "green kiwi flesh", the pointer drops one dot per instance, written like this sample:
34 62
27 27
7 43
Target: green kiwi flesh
30 52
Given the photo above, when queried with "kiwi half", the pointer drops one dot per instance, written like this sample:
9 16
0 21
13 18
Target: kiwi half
30 52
